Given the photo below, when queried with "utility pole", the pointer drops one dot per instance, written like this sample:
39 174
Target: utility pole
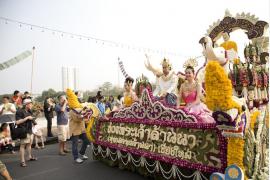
32 73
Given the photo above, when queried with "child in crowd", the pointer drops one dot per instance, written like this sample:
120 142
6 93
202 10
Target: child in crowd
38 136
5 138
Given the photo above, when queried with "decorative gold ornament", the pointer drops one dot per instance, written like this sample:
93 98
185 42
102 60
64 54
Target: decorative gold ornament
191 62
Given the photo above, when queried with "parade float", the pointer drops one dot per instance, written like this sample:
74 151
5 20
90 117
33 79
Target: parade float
165 142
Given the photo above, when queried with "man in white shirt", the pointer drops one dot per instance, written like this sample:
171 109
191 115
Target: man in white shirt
7 107
166 84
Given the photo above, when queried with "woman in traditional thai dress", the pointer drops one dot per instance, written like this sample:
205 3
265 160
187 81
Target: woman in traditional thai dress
129 95
190 92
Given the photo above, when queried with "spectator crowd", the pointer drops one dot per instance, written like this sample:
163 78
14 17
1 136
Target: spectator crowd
18 124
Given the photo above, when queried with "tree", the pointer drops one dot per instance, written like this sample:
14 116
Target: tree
49 93
106 87
115 91
87 94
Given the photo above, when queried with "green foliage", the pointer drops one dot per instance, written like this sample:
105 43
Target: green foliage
88 93
107 90
49 93
115 91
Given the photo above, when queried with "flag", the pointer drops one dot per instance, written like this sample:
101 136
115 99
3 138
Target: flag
121 65
15 60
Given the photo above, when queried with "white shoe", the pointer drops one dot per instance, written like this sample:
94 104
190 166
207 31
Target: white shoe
84 157
79 160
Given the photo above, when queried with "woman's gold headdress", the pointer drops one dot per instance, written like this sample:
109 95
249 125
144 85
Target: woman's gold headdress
190 62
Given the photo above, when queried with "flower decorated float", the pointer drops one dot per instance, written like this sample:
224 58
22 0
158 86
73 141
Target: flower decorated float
167 142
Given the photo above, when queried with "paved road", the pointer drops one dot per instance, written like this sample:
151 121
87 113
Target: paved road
51 166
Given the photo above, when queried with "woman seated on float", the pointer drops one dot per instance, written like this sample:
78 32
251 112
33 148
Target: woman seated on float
190 93
129 95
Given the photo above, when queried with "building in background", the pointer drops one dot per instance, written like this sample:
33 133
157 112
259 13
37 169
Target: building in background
70 78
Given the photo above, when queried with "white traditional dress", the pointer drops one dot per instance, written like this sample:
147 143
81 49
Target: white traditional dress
166 84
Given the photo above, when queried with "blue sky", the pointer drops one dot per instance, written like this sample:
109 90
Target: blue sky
170 25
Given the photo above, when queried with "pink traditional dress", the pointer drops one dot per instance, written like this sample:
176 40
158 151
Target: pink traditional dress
199 109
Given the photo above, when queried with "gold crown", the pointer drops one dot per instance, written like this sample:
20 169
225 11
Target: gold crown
166 63
190 62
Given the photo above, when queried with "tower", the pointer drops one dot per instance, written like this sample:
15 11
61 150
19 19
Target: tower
69 78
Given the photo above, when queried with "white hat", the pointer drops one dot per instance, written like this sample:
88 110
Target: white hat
27 101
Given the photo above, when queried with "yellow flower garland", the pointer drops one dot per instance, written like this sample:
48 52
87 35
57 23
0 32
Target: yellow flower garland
73 99
218 88
89 128
235 152
90 123
253 119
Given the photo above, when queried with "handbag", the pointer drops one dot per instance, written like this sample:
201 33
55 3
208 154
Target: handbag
17 132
